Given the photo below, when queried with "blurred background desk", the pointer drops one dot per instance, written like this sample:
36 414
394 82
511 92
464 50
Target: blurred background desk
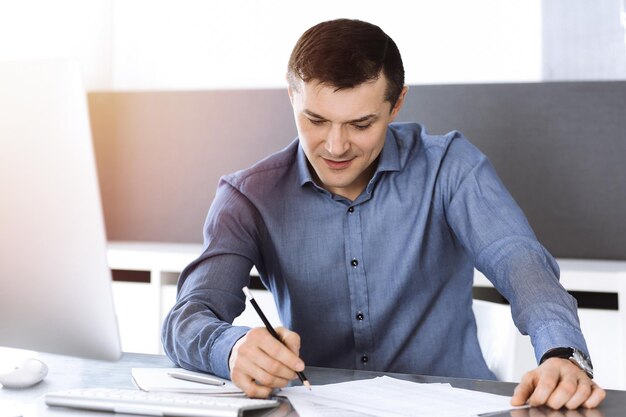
69 372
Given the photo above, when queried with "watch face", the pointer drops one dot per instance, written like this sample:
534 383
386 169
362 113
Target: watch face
583 362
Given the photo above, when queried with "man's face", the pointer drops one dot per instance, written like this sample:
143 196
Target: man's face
343 132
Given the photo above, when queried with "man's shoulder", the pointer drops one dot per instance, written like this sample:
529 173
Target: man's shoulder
412 136
266 171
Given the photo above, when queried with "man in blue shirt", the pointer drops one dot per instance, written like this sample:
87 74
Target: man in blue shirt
367 233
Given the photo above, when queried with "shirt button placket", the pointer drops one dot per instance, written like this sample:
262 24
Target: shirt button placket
358 285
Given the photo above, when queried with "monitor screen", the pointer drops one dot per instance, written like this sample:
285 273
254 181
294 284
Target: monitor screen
55 285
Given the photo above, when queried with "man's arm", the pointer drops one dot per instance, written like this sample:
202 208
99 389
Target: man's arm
195 337
197 332
496 235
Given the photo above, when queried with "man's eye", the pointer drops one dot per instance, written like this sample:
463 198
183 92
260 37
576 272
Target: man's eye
361 127
316 122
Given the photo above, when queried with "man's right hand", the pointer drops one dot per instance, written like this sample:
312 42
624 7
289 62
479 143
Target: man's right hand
259 363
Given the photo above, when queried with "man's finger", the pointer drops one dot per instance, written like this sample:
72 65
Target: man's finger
280 352
597 396
267 360
583 391
564 390
544 388
290 339
273 366
523 390
250 387
253 380
269 379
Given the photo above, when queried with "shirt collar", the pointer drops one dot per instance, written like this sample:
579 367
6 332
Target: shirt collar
389 160
304 175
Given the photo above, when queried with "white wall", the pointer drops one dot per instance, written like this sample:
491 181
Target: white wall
79 29
211 44
582 42
224 44
246 43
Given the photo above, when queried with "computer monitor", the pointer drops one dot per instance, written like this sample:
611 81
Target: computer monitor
55 285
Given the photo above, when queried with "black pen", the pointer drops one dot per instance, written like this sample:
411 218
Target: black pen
270 329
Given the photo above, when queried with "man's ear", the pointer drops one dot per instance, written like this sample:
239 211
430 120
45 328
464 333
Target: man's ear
399 102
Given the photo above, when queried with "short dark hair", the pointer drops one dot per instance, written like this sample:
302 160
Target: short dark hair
345 53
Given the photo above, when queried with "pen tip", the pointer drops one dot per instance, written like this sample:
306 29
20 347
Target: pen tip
307 384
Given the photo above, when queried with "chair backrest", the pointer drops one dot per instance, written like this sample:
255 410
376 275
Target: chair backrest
508 354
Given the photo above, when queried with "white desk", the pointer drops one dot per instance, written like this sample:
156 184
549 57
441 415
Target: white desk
69 372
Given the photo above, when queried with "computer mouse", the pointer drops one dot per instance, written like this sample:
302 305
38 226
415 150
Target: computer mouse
31 372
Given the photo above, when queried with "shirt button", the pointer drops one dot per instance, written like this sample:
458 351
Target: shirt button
350 209
354 263
364 359
359 316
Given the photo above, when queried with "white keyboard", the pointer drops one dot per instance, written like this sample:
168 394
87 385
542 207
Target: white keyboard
131 401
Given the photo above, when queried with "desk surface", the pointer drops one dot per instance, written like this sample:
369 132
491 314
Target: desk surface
69 372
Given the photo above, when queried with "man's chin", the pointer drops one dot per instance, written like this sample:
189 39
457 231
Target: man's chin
334 181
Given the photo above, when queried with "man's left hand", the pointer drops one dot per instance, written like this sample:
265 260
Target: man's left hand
558 383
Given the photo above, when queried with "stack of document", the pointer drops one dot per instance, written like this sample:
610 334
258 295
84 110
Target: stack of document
390 397
160 380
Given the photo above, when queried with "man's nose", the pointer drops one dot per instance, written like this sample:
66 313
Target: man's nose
337 142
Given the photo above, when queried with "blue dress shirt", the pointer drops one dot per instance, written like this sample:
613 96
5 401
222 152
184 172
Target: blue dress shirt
381 283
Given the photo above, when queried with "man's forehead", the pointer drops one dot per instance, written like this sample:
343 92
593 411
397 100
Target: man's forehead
368 96
344 111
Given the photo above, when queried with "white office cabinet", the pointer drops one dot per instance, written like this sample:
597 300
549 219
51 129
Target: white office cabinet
142 306
604 330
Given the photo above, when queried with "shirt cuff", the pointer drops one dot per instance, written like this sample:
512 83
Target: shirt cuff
556 334
220 352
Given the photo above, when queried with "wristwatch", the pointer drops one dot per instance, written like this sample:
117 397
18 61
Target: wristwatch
577 356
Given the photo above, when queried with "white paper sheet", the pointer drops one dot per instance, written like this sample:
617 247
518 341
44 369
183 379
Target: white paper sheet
157 379
391 397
